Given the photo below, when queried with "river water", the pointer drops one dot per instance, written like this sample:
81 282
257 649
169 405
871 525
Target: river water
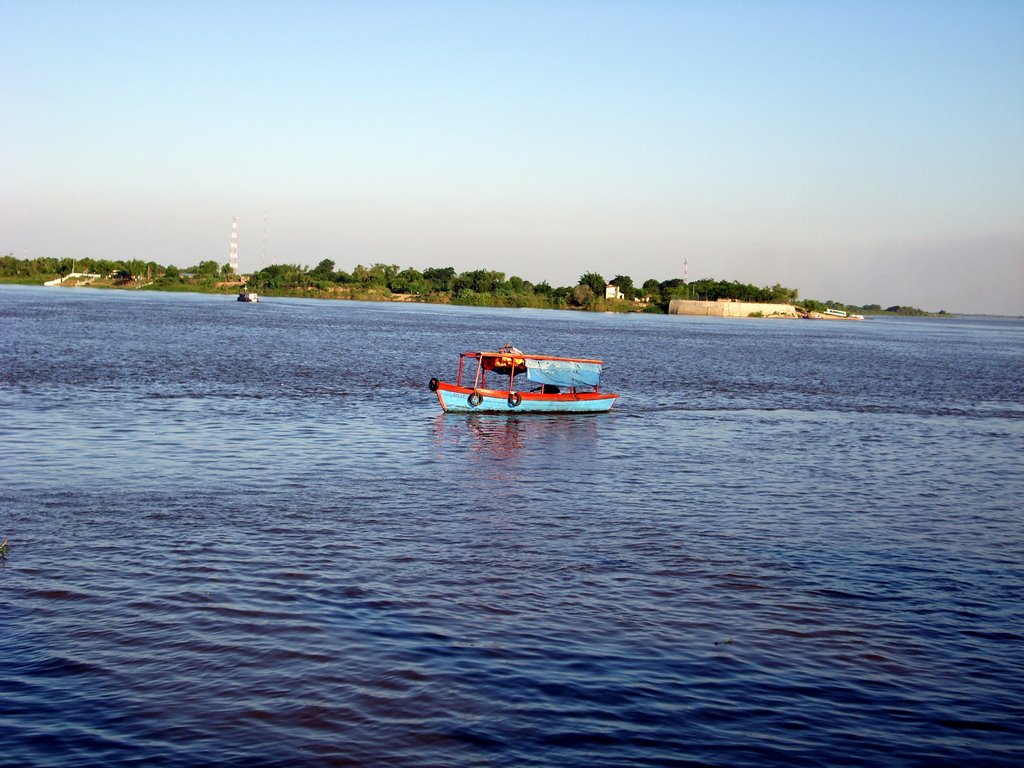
245 534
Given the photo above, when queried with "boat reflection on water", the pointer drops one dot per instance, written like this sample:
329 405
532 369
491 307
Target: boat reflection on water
533 440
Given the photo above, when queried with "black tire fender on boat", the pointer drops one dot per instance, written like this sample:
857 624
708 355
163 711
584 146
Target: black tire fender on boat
434 384
475 398
514 399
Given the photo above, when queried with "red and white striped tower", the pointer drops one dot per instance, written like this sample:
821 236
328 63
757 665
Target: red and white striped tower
686 271
233 255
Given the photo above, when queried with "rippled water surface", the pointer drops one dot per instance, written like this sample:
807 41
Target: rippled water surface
247 535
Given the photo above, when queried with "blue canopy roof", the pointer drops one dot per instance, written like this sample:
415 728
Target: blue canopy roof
563 373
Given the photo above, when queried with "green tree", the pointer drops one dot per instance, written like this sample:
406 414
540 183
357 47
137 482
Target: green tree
44 265
277 277
206 269
901 310
137 268
515 284
324 270
676 288
781 295
408 281
582 296
377 274
479 281
103 267
595 282
440 278
652 290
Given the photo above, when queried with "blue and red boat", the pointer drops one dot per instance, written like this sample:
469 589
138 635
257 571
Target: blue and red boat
551 384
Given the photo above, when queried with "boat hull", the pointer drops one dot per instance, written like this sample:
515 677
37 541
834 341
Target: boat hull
455 399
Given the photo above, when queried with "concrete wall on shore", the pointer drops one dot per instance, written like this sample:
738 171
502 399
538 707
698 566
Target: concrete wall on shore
60 280
728 308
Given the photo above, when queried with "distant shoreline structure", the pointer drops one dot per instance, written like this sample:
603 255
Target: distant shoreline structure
735 308
730 308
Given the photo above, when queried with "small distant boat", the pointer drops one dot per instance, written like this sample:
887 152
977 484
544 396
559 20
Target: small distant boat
828 314
248 296
553 384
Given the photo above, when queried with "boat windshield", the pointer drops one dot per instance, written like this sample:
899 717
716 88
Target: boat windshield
563 373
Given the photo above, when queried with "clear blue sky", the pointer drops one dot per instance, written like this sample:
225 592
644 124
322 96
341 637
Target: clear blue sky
859 151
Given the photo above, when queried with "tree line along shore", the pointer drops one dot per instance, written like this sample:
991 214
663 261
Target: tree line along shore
437 285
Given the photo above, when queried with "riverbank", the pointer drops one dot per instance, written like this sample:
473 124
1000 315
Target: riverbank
342 293
381 293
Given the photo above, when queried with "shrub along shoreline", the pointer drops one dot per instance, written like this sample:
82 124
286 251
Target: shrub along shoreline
435 285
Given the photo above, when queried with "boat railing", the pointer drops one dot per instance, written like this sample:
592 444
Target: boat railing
515 358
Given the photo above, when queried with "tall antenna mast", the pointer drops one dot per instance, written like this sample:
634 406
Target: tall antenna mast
686 270
233 254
